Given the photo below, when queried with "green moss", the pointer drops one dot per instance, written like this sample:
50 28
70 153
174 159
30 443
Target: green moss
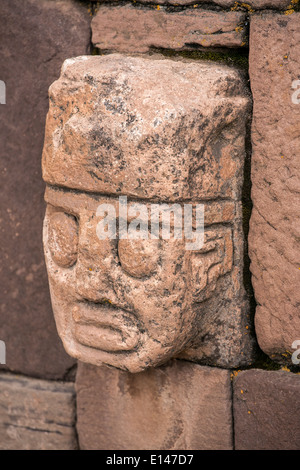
95 51
233 58
264 362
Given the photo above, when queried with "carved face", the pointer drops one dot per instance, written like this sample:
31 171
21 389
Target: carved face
126 303
154 130
120 302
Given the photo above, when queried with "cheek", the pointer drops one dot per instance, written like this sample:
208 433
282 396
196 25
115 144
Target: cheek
61 280
158 278
63 239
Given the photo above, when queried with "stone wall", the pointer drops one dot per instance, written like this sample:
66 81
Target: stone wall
236 386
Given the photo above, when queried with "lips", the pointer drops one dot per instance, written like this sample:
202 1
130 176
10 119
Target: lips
104 327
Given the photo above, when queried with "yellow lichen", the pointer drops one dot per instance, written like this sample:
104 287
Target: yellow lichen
234 374
238 29
290 9
242 5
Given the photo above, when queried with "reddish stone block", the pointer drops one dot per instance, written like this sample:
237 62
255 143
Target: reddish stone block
36 414
130 29
266 410
180 406
36 37
274 238
233 4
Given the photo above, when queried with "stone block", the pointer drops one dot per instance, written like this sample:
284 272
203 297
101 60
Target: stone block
232 4
130 29
266 410
180 406
36 37
36 414
274 238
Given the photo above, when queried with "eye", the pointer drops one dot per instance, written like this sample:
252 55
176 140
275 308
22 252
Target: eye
138 258
63 239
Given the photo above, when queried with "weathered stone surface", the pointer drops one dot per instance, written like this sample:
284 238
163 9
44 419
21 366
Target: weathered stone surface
36 414
129 29
251 4
274 238
266 410
147 128
36 37
257 4
178 406
153 130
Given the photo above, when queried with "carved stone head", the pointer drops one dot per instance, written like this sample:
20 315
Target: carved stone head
154 133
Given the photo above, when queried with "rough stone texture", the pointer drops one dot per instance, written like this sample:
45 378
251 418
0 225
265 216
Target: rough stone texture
154 130
250 4
274 239
178 406
36 414
266 410
146 127
35 38
129 29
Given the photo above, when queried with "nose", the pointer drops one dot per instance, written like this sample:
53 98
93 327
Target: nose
95 267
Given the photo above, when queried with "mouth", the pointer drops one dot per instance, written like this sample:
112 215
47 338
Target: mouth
105 327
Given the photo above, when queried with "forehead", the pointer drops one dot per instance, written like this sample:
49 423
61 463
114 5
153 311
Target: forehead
145 128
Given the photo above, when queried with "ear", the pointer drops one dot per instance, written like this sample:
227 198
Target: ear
212 261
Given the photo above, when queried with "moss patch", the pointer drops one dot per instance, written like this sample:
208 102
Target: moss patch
236 58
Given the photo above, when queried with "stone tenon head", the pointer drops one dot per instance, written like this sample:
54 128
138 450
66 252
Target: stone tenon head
158 132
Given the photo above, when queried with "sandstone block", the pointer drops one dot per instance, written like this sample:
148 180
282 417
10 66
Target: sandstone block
130 29
274 238
266 410
36 414
180 406
232 4
36 37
